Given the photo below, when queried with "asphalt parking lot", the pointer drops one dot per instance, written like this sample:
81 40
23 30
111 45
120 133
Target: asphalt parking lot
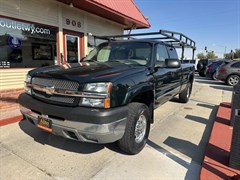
175 148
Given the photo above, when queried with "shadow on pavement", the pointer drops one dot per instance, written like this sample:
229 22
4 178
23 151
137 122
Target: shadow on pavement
44 137
203 102
185 147
168 154
196 119
199 77
205 105
210 82
195 152
225 88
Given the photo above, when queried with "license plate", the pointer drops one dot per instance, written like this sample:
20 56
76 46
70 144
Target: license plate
44 123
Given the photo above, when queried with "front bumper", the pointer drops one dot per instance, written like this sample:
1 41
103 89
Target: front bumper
78 123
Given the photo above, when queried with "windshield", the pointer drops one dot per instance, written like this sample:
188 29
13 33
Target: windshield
138 53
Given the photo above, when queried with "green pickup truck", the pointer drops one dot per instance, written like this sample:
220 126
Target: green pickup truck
110 95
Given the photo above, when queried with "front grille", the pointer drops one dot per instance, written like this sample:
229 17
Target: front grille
57 84
56 98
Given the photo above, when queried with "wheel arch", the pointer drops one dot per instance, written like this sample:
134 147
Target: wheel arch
146 97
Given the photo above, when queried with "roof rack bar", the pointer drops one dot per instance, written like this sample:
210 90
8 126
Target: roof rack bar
174 37
138 34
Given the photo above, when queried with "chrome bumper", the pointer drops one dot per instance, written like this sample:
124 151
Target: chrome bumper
85 132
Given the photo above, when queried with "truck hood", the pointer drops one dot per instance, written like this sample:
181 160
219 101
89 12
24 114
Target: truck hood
88 71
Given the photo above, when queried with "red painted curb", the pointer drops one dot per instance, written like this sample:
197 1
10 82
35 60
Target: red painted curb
216 159
10 120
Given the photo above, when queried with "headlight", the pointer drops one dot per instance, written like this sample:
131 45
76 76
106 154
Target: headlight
98 95
98 87
27 81
28 78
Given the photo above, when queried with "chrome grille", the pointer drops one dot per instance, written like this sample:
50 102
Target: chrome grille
57 83
61 99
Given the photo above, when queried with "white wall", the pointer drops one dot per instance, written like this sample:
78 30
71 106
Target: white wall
41 11
47 12
54 13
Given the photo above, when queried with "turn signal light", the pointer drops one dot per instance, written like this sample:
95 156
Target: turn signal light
107 103
209 69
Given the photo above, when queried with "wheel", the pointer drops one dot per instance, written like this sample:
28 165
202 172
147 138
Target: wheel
185 94
214 77
201 74
199 66
137 129
232 80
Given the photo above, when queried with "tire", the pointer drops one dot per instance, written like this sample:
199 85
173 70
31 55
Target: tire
199 66
201 74
137 129
232 80
214 77
185 94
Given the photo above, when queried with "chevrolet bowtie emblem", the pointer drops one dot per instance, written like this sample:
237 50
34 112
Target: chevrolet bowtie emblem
49 90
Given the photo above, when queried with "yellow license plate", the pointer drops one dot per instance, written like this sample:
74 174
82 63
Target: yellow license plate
44 123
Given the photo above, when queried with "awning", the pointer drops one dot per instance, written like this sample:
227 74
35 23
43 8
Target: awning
124 12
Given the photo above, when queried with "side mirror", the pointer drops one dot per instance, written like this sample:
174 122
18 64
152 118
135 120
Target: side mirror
172 63
160 64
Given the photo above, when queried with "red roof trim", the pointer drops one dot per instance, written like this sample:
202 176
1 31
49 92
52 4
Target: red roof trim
145 24
141 13
114 10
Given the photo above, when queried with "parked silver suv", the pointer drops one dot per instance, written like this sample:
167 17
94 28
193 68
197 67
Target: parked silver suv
229 73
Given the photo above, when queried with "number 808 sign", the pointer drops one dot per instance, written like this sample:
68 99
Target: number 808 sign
73 23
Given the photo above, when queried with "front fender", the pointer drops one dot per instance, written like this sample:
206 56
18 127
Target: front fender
137 90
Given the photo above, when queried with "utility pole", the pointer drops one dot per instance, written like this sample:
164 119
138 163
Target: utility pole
232 54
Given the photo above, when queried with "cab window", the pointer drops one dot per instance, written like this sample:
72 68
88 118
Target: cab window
161 53
173 53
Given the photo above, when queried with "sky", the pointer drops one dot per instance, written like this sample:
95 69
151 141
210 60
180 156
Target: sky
211 23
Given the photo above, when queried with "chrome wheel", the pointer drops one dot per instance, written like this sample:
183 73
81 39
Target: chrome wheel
233 80
140 128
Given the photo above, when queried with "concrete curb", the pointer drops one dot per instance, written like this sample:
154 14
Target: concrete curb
216 159
11 120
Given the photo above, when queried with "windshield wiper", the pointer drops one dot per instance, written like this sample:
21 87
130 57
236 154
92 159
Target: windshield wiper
127 62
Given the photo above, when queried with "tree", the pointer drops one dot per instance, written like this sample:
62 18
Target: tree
235 54
211 55
227 56
201 56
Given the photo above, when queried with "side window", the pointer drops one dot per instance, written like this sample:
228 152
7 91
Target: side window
236 65
172 53
161 53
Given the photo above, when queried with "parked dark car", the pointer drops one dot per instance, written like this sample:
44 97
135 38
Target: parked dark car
202 66
189 61
212 68
229 73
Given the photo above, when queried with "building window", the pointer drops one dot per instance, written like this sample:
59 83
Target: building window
26 44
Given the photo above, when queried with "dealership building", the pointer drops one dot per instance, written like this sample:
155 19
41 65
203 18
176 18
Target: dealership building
36 33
